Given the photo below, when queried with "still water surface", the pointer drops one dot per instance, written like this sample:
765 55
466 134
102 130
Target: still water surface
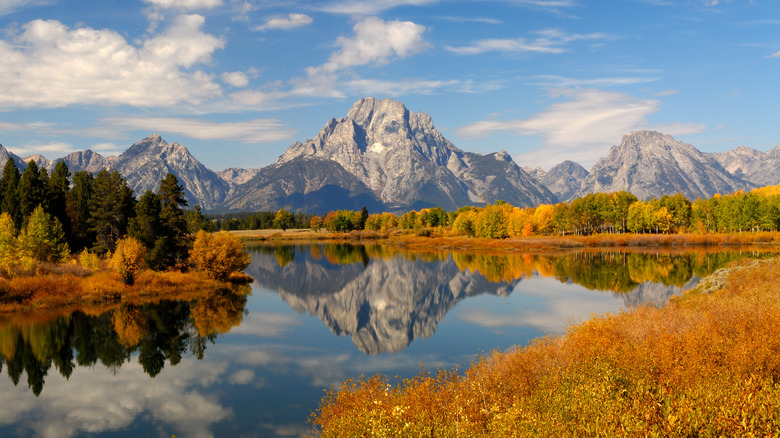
256 362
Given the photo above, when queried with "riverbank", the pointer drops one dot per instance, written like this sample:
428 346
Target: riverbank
65 289
706 364
438 239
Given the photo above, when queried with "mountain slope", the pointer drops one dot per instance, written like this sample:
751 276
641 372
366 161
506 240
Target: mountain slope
767 170
565 179
650 164
402 159
147 162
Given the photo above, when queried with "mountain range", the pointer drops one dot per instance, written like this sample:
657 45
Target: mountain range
387 158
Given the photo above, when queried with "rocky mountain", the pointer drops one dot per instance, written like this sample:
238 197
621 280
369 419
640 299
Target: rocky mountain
88 161
741 161
236 176
564 180
399 158
147 162
651 164
6 155
767 170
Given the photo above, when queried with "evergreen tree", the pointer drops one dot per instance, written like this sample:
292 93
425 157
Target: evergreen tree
9 190
43 240
31 190
112 204
196 221
58 187
172 247
78 202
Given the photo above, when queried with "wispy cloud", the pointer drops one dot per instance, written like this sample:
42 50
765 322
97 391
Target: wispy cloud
290 22
50 65
547 41
369 7
186 5
10 6
251 131
564 82
582 127
774 55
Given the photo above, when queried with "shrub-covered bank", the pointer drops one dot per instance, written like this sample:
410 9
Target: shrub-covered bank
707 364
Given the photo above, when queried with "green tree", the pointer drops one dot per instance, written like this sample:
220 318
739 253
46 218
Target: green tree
59 185
172 246
196 221
145 226
283 220
111 206
9 190
78 202
43 239
31 190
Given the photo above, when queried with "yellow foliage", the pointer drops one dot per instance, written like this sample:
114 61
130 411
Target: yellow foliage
128 258
218 255
704 365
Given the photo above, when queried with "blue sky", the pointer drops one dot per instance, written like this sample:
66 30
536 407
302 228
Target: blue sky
238 81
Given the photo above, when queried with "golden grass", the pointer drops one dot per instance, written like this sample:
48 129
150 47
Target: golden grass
707 364
62 293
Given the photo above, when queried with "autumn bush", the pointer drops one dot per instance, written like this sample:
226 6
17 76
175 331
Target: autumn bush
707 364
128 258
218 255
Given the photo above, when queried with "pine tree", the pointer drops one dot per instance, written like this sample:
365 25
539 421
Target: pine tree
31 190
111 207
78 202
43 239
172 246
9 189
58 187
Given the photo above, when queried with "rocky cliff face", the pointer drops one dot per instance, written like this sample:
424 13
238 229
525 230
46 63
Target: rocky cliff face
650 164
147 162
564 180
767 170
741 161
88 161
402 159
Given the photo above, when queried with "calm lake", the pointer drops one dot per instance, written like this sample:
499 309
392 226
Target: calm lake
256 362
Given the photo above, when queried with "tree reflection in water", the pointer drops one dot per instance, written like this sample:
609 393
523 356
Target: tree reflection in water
156 332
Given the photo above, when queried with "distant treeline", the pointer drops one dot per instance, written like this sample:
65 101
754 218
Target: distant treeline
617 212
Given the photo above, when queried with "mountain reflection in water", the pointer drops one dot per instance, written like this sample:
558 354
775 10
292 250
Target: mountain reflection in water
384 298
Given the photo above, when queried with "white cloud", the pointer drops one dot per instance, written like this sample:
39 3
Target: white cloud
374 42
547 41
51 65
580 128
242 377
774 55
266 324
59 148
290 22
251 131
184 4
9 6
172 398
236 79
399 88
369 7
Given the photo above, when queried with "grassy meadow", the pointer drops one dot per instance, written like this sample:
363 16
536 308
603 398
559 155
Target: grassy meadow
705 365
